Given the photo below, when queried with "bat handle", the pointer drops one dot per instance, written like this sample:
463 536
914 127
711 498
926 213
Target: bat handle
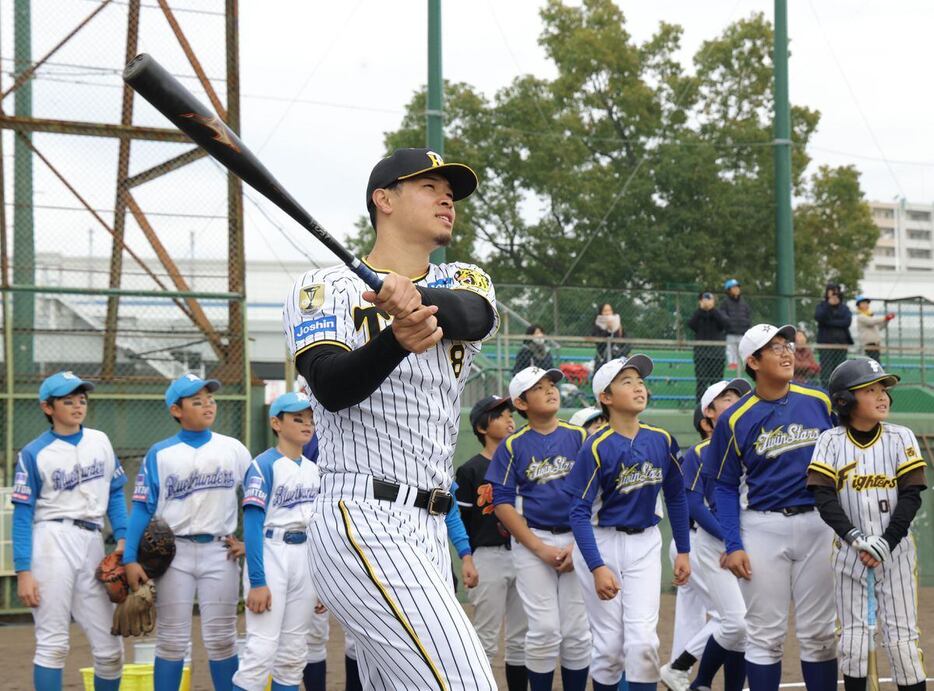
871 598
367 275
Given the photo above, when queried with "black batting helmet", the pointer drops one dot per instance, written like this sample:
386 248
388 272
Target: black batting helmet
856 374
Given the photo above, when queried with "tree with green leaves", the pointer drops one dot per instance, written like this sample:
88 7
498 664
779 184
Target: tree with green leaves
628 170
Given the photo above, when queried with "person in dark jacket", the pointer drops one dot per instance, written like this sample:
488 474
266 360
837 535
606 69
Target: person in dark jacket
708 324
607 324
833 319
534 351
739 319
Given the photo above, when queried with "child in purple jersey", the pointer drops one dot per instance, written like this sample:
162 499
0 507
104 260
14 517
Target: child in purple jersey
614 489
775 541
527 473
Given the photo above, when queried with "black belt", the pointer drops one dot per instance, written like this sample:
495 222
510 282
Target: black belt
554 529
792 510
629 531
78 523
436 501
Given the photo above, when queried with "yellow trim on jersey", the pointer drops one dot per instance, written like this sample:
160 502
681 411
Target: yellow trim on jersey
823 469
657 429
396 611
596 457
734 418
814 393
568 425
909 466
386 271
867 444
509 440
697 450
323 341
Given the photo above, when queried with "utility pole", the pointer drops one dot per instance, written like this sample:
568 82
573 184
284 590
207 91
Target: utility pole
781 150
434 111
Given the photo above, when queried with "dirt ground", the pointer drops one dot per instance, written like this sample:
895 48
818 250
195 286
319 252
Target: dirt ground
17 644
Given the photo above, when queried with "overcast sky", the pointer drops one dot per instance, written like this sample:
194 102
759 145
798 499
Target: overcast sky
322 82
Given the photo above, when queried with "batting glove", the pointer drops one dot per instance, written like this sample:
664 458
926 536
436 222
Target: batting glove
856 539
877 547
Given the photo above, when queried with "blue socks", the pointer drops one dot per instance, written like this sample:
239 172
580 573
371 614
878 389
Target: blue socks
642 686
764 677
276 686
106 684
222 672
574 679
597 686
734 671
46 678
623 684
352 672
314 676
820 676
540 681
167 674
710 663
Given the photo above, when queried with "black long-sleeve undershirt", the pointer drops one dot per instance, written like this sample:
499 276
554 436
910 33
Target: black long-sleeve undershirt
909 501
831 512
340 379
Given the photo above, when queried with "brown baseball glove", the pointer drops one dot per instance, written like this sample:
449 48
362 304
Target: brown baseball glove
156 548
136 616
110 572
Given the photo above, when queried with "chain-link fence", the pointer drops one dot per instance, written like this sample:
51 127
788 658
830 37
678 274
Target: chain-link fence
656 323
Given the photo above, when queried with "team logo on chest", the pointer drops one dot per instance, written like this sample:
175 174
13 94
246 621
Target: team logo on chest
287 497
63 479
180 487
861 483
548 469
775 442
634 477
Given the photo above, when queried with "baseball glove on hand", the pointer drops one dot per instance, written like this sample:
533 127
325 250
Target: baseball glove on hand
156 548
136 615
111 573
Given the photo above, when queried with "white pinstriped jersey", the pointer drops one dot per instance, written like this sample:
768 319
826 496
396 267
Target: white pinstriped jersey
867 475
405 432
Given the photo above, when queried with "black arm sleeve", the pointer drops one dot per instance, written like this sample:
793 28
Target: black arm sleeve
909 501
462 315
828 504
340 379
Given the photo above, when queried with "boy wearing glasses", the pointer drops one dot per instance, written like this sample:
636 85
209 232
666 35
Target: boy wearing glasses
776 543
190 480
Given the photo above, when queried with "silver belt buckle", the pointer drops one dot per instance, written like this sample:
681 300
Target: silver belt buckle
434 497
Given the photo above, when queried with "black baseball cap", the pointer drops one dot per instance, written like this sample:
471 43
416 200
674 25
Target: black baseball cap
485 405
408 163
698 416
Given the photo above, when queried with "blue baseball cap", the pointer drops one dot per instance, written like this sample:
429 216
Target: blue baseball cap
188 385
289 403
862 298
61 384
730 283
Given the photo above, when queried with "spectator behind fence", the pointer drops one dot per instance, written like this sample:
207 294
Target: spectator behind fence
708 324
608 325
739 318
806 367
869 327
534 351
833 319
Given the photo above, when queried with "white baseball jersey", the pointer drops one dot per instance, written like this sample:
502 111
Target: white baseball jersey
67 480
190 481
405 432
285 489
867 475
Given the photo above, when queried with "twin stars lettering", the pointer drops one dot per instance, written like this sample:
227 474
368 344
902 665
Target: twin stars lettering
775 442
548 469
634 477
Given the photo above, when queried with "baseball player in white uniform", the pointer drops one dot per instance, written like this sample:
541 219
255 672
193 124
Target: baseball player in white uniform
776 544
386 372
65 481
614 488
867 476
190 480
279 489
721 641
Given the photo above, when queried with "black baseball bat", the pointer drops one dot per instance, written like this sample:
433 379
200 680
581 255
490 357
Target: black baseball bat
151 81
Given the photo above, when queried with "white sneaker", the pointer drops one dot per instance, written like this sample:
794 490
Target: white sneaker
674 679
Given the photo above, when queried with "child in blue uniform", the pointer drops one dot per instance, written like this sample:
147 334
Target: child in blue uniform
528 472
66 480
614 489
